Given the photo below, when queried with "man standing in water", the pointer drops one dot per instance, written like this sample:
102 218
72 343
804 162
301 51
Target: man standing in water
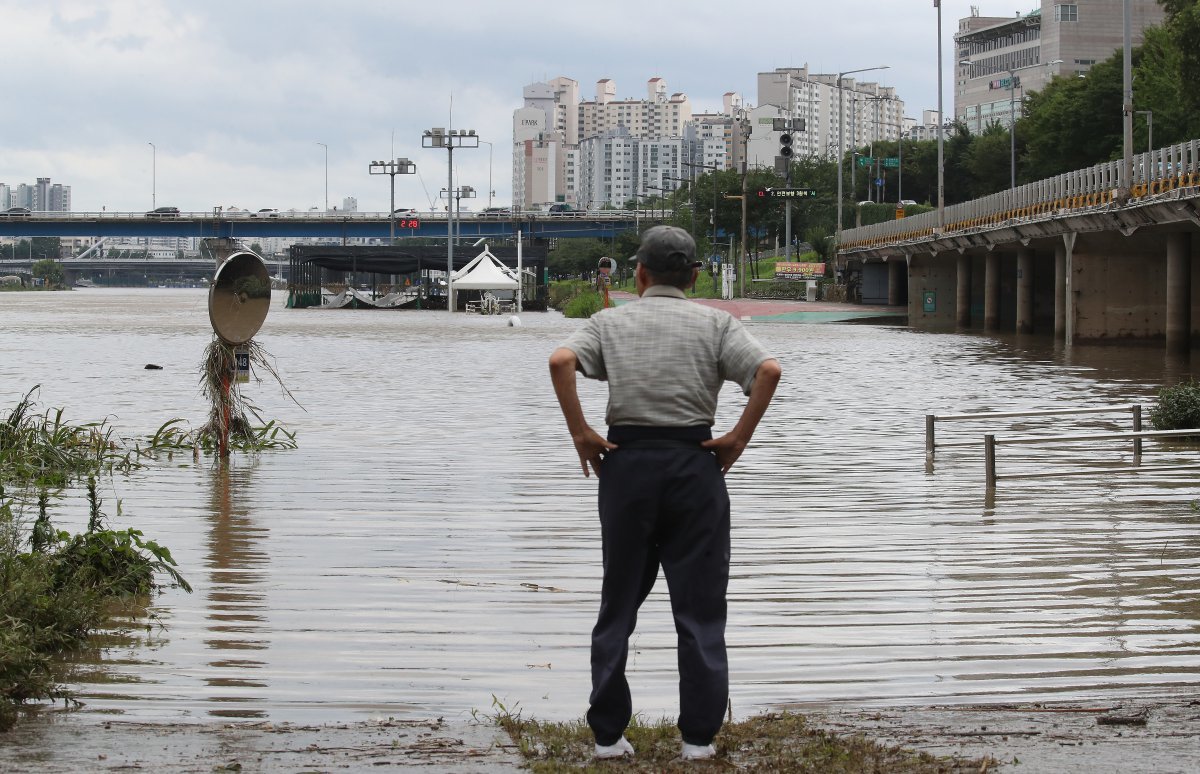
662 492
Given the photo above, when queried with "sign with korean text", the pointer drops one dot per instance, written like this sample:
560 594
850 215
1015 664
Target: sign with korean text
799 271
787 193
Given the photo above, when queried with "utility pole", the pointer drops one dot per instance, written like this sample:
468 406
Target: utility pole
438 137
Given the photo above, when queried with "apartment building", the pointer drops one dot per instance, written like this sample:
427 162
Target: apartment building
1002 58
552 132
851 114
42 196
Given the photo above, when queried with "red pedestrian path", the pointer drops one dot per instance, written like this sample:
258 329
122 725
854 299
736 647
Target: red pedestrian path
762 309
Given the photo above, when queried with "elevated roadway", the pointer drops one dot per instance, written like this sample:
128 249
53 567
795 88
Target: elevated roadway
1072 256
318 225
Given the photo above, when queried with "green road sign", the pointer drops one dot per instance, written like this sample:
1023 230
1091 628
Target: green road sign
866 161
891 162
788 193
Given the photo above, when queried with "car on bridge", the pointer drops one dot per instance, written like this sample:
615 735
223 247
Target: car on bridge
16 212
163 212
266 212
495 212
561 209
405 212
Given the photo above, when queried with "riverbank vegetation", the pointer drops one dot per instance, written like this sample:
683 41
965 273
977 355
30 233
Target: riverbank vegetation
1178 407
57 588
774 742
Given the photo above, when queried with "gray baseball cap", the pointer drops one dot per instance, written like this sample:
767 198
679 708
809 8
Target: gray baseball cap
667 248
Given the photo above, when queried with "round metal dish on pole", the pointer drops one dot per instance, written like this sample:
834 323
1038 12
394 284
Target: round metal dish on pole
238 301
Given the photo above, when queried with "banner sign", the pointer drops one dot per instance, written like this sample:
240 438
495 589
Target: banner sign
799 271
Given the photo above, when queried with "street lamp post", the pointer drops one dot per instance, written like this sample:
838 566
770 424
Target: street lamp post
391 169
712 218
153 176
941 130
1012 114
439 137
458 194
841 134
326 147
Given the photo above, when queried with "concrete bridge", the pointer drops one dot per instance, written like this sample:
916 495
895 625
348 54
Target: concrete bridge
319 225
1067 256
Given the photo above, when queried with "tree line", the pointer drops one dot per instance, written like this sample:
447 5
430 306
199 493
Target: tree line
1073 123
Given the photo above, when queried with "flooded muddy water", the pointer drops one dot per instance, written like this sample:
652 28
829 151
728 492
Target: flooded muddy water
432 544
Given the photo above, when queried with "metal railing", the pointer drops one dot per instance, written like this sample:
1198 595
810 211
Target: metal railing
990 442
931 421
1155 173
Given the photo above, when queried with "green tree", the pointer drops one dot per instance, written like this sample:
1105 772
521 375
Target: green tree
572 257
50 271
47 247
1183 27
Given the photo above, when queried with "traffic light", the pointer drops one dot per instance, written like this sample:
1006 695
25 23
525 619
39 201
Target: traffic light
785 145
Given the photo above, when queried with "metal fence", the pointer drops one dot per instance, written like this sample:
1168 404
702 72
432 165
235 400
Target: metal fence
1154 173
991 441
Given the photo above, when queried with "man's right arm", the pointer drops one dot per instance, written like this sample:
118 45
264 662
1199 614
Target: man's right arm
588 443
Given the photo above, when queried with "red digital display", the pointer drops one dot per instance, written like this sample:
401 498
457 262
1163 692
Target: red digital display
408 223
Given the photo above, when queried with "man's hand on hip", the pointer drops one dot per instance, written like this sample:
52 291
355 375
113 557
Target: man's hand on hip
591 446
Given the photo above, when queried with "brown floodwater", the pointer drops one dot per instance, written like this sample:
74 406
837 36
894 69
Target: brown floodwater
432 544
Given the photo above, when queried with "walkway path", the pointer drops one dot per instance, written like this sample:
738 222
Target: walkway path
769 310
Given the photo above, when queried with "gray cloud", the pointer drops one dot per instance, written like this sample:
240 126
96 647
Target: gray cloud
236 95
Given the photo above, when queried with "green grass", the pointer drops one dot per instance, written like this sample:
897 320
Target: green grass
773 742
56 589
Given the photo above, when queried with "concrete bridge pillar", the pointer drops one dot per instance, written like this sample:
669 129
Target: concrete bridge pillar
218 248
1024 290
897 277
1060 291
1179 286
991 291
962 298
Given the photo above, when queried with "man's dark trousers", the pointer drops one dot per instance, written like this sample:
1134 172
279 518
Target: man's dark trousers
665 503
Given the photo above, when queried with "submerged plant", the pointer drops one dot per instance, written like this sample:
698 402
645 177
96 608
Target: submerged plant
227 416
43 449
1178 407
114 562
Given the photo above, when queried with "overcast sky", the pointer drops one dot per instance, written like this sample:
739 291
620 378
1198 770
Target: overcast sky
237 96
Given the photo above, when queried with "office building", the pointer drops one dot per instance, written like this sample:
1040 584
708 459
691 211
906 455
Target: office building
1002 58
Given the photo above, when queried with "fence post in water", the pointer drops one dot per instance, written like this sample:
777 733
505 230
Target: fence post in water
1137 428
930 420
989 460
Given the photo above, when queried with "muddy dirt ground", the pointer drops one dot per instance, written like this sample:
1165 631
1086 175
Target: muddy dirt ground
65 743
1144 735
1139 735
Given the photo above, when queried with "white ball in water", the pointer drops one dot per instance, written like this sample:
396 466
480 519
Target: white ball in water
514 322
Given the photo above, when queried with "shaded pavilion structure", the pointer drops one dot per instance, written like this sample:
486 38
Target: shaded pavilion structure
384 269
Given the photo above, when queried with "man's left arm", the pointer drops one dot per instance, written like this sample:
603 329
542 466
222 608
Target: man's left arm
730 446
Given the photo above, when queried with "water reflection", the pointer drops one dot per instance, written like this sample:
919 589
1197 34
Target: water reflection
432 544
236 599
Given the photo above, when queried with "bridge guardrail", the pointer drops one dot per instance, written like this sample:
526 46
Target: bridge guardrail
1154 173
250 215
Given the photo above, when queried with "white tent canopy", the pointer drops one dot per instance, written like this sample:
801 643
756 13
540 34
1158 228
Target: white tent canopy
485 272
